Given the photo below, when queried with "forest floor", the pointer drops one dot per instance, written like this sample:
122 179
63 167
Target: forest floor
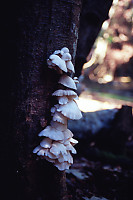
104 96
99 180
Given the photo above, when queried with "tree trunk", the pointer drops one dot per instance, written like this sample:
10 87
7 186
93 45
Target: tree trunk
33 30
93 14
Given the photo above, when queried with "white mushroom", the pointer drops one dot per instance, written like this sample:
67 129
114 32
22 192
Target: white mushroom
56 52
41 152
58 117
38 148
57 144
64 93
68 82
70 66
63 100
69 147
66 57
73 141
49 62
76 79
52 156
58 126
70 110
56 106
68 158
47 153
46 143
65 50
70 141
52 133
67 134
53 109
50 159
66 142
56 60
58 148
62 166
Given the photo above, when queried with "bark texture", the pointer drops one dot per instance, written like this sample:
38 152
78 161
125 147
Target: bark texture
33 29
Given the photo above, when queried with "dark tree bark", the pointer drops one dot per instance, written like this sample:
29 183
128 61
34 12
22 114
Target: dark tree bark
32 30
114 139
93 14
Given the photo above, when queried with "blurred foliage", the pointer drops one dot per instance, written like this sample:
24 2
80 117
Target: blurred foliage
118 33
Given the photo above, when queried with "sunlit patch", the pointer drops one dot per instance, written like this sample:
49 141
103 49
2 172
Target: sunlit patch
92 101
105 25
123 55
98 54
107 78
123 37
89 63
125 79
91 105
112 9
112 50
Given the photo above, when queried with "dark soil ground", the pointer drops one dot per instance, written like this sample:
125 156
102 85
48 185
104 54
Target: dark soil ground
89 179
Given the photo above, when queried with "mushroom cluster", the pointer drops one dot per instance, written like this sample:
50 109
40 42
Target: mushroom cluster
58 144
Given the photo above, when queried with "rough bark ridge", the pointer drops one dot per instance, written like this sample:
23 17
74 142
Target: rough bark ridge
39 28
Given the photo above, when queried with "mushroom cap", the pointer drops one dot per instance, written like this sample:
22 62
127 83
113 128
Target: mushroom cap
70 141
68 82
46 143
68 158
65 50
58 117
49 62
50 159
61 92
63 100
42 152
67 134
53 109
76 79
70 110
52 133
38 148
52 156
66 142
58 148
69 147
56 105
56 52
62 166
73 141
45 152
56 60
70 66
66 56
58 126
